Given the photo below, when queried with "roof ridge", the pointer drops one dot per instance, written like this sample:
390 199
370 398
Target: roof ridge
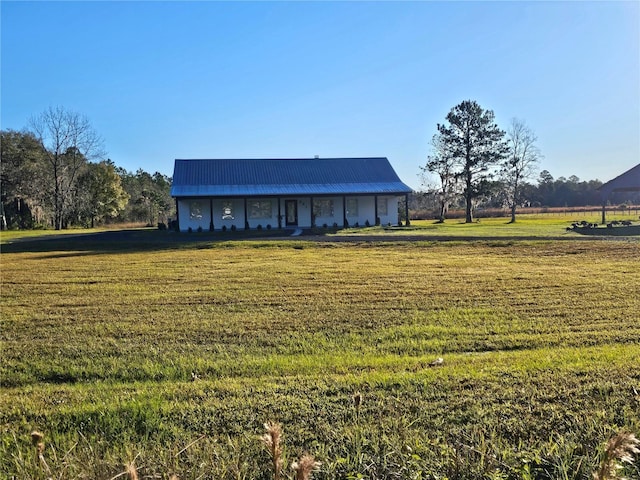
275 158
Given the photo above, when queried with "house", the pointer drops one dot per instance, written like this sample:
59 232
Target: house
221 194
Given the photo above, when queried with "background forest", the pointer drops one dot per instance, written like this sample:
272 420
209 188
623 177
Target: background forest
41 190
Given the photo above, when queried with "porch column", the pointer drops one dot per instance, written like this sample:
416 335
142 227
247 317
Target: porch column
177 216
604 209
246 220
375 210
211 214
344 212
313 217
406 208
279 215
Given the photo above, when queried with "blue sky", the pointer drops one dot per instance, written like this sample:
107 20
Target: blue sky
166 80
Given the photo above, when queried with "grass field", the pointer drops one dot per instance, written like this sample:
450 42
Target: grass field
173 351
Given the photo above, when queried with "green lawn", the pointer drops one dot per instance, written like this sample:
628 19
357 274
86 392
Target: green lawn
526 225
174 350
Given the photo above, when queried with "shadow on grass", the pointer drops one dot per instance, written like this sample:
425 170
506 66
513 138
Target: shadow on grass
150 240
121 241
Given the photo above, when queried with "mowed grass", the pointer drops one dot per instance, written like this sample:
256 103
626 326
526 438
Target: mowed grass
526 226
176 353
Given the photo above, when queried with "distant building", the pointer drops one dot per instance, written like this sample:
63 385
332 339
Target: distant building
628 181
222 194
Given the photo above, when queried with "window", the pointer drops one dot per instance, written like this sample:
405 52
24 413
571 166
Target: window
260 209
352 207
382 207
195 210
323 207
227 210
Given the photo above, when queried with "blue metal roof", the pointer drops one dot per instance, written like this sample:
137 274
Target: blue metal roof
303 176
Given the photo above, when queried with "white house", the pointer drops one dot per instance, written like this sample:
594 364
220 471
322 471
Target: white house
221 194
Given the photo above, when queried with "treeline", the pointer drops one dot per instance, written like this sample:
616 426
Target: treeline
48 180
477 165
547 192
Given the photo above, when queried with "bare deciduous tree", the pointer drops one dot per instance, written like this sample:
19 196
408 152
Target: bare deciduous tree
520 164
69 141
441 163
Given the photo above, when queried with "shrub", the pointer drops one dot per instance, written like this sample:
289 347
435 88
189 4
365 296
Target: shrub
162 226
268 226
224 228
200 229
259 226
233 228
325 226
190 230
367 224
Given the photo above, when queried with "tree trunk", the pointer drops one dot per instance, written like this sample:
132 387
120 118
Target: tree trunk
469 215
468 195
513 213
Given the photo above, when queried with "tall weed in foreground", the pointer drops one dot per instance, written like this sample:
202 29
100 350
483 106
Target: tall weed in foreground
462 457
620 448
272 439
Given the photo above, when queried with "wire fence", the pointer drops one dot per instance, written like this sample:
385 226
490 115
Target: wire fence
632 211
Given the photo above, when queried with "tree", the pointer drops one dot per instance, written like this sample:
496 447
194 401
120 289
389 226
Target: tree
100 194
68 141
21 171
150 197
520 164
474 141
443 165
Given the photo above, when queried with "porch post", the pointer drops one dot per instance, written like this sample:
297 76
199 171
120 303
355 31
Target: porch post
211 214
313 217
279 215
375 210
604 208
246 220
406 208
177 216
344 211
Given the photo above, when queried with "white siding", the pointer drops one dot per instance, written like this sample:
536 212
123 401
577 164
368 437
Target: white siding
196 213
366 212
187 220
237 212
392 211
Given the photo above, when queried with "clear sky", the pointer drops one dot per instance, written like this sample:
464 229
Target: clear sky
166 80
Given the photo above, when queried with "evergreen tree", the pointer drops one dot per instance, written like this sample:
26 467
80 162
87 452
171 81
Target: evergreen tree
476 144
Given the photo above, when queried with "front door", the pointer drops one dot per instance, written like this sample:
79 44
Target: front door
291 213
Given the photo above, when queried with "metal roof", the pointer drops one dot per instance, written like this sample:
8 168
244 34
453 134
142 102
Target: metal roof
300 176
629 181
